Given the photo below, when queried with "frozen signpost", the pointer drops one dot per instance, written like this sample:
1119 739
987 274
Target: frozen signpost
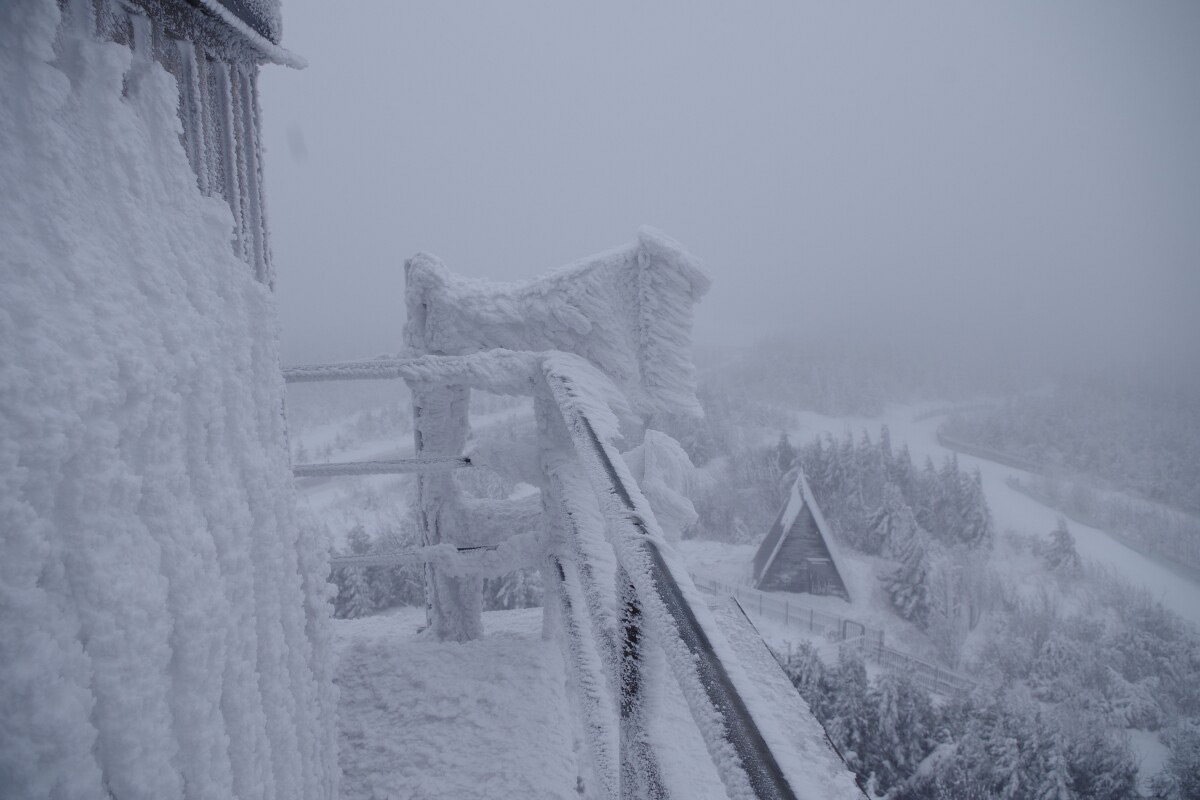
603 348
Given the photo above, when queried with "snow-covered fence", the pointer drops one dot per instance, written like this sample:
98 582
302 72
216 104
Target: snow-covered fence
788 611
931 677
593 499
601 347
854 636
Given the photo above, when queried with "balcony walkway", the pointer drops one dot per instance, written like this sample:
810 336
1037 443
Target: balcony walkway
432 720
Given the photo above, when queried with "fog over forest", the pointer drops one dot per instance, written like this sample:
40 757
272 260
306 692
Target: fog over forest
1020 177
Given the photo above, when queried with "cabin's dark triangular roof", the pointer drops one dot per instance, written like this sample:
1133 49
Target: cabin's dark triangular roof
799 553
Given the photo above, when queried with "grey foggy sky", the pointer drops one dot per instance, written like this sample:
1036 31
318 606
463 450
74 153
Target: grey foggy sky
1019 171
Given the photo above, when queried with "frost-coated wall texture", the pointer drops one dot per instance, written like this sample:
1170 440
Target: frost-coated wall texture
163 613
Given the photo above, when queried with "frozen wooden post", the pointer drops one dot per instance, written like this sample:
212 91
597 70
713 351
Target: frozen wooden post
454 605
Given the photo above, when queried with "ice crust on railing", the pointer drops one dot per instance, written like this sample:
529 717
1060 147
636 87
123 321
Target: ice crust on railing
628 311
515 552
164 617
589 671
586 544
639 542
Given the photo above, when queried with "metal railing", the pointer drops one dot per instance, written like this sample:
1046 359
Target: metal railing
590 498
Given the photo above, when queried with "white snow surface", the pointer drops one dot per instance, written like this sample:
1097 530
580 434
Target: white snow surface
448 721
163 612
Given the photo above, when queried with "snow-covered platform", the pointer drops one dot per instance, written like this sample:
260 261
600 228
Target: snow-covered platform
433 720
490 718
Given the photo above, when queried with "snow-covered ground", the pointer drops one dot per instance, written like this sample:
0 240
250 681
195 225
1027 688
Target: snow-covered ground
430 720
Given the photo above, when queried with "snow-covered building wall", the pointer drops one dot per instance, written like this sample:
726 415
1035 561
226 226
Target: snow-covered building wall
164 618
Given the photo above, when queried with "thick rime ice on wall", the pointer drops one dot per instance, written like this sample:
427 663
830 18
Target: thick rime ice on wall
163 613
628 311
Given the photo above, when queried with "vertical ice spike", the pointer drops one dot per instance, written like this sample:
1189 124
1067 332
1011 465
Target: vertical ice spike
251 187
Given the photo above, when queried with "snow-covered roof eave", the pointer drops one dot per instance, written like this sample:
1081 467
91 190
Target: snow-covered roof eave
785 521
269 51
831 544
801 497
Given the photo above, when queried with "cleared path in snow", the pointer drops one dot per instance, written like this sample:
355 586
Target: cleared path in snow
1011 509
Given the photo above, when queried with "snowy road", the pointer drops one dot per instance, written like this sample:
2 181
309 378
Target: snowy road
1013 510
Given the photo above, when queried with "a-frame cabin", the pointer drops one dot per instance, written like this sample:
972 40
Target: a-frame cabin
799 553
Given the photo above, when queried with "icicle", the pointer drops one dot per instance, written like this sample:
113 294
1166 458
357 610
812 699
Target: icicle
221 103
251 171
239 201
259 196
191 112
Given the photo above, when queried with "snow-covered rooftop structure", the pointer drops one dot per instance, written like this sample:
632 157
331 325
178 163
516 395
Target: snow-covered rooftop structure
799 552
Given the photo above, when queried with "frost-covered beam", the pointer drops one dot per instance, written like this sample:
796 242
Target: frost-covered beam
497 371
375 370
397 466
517 552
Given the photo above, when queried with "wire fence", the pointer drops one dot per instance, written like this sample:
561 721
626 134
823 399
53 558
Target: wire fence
852 636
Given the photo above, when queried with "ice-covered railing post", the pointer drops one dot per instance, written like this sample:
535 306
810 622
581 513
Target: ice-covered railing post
627 311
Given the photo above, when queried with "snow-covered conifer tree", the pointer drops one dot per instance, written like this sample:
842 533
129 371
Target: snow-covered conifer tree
1060 555
908 585
892 524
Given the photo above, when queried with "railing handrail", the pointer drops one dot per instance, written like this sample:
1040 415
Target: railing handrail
693 659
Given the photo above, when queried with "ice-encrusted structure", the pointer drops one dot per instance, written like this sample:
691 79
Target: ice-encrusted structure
602 347
627 311
163 612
